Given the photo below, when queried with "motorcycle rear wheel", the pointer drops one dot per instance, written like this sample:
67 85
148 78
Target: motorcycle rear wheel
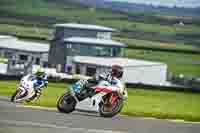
66 103
117 109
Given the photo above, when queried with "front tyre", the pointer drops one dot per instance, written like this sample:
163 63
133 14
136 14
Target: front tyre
117 107
18 95
13 97
66 103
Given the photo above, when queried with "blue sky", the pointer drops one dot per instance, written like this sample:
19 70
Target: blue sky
180 3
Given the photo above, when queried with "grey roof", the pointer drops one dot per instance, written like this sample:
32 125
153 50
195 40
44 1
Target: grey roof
109 61
8 42
94 41
85 26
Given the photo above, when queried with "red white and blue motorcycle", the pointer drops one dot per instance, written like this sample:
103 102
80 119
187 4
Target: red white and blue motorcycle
93 97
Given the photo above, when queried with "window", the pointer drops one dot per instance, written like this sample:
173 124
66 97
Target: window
58 67
8 54
91 70
75 49
69 46
59 33
13 62
104 35
23 57
68 69
102 51
37 62
69 60
78 70
116 52
45 64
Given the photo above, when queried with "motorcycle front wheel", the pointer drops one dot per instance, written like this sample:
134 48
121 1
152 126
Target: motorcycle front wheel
17 95
66 103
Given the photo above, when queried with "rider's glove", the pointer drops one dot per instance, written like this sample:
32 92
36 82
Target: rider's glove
38 92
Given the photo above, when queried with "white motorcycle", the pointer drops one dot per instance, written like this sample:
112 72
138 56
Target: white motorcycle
91 99
25 90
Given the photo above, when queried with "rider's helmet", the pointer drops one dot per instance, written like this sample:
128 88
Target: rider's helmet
40 73
117 71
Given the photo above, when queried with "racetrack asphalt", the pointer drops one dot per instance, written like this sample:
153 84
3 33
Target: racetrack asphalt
17 119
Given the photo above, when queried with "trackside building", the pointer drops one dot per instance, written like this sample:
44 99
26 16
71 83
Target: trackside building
20 56
135 71
81 40
82 49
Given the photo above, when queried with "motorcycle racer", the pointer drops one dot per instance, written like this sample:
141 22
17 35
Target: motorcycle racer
103 93
116 85
40 81
114 78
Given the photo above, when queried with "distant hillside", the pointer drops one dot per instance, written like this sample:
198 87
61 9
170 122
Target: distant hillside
52 11
132 7
19 16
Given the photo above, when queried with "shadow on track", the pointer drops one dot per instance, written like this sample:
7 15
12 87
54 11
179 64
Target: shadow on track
4 98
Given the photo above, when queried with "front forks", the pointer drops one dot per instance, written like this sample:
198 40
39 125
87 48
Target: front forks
74 95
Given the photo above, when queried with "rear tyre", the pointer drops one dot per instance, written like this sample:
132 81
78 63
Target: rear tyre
66 103
115 110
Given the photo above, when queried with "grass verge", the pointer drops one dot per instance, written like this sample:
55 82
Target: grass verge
147 103
178 63
156 44
3 60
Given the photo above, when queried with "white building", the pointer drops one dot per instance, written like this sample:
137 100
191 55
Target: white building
135 71
21 55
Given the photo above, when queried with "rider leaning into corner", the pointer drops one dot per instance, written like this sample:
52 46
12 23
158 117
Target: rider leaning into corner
40 81
114 78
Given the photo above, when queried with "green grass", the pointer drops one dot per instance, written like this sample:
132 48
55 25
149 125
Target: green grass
25 31
3 60
162 104
49 97
156 44
157 28
63 9
178 63
148 103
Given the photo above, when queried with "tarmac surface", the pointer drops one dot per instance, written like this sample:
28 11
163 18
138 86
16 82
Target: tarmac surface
17 119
